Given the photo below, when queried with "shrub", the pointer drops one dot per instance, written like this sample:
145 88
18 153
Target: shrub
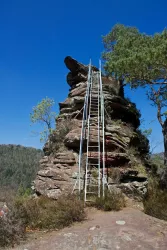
114 174
155 202
11 230
56 138
46 213
112 200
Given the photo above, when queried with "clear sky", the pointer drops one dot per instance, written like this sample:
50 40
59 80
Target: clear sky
35 37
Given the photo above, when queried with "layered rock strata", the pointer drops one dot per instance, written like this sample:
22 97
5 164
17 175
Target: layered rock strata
126 148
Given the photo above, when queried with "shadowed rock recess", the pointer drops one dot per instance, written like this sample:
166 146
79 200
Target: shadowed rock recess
126 148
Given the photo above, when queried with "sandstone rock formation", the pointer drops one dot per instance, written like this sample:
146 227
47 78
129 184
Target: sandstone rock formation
126 147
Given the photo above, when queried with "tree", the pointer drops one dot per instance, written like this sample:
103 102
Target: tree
43 114
140 60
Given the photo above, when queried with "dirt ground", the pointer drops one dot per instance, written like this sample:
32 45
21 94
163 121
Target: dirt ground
124 230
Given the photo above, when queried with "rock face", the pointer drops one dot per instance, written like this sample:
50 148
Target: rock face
126 148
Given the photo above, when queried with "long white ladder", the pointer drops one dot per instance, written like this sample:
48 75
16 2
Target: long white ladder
93 164
93 128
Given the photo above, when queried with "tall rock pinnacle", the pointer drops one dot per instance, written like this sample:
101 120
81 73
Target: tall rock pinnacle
126 148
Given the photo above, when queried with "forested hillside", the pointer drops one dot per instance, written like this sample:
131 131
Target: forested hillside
18 165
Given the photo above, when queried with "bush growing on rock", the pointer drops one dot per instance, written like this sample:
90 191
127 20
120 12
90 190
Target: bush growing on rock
56 138
114 174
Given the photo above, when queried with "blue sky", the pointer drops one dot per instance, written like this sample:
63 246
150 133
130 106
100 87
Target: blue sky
36 35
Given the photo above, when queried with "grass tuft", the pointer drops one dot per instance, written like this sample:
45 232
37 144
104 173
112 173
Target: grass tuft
155 202
112 200
45 213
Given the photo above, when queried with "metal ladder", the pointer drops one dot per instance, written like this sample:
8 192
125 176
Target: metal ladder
93 147
92 125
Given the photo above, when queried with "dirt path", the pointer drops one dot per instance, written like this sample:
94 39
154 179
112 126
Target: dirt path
124 230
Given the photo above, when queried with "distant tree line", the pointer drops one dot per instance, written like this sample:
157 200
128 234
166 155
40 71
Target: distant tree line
18 166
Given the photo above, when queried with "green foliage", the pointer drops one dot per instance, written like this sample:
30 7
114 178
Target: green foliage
155 202
140 60
46 213
24 192
18 166
111 201
158 159
133 56
147 132
43 114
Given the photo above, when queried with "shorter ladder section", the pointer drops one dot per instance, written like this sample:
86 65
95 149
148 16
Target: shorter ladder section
92 171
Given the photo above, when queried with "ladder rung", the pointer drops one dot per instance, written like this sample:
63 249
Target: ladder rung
91 157
92 130
93 146
91 192
94 185
93 164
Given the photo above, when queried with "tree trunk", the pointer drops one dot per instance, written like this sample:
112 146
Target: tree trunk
164 174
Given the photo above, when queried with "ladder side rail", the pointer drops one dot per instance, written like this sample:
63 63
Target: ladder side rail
99 153
88 91
103 128
83 126
88 137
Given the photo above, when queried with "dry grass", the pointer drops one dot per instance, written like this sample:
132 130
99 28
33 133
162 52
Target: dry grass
45 213
111 201
39 213
11 230
155 202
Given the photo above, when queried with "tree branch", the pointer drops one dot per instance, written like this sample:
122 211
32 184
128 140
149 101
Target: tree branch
154 98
